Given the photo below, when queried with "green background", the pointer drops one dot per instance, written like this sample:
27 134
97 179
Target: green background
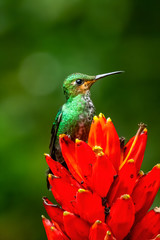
41 42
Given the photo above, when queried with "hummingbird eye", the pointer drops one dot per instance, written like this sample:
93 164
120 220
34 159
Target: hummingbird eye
79 82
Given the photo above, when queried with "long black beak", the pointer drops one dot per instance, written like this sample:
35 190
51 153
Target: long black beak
107 74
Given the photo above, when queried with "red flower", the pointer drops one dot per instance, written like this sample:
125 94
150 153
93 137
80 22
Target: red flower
104 195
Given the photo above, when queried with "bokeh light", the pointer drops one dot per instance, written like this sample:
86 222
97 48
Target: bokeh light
38 73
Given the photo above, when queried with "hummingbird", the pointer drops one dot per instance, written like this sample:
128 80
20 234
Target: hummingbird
74 118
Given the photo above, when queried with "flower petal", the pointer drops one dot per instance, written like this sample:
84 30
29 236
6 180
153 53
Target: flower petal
75 227
54 212
145 191
121 216
85 159
124 183
109 236
112 144
96 135
64 192
89 206
51 231
98 231
60 171
103 174
135 148
148 227
68 152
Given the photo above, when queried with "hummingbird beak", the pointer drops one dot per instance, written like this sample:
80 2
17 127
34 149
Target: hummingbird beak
107 74
89 83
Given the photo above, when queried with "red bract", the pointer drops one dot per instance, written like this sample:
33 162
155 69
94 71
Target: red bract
89 205
98 231
76 228
148 227
103 195
121 216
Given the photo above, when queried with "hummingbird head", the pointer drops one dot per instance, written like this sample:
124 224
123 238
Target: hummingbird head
79 83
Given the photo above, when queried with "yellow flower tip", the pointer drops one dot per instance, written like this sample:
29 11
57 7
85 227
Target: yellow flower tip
43 217
130 161
101 115
52 228
98 150
145 130
50 175
46 154
95 148
62 135
78 141
108 233
158 236
95 118
141 173
158 165
157 209
81 190
65 213
98 222
125 196
100 154
109 119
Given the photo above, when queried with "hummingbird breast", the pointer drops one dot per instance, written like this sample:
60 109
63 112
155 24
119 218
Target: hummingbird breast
77 116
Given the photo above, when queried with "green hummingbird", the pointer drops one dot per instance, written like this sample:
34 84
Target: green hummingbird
75 116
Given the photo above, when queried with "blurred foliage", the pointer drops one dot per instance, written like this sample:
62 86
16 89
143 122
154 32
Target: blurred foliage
41 42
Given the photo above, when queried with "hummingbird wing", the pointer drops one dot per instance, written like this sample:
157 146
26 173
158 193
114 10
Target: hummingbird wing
54 133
